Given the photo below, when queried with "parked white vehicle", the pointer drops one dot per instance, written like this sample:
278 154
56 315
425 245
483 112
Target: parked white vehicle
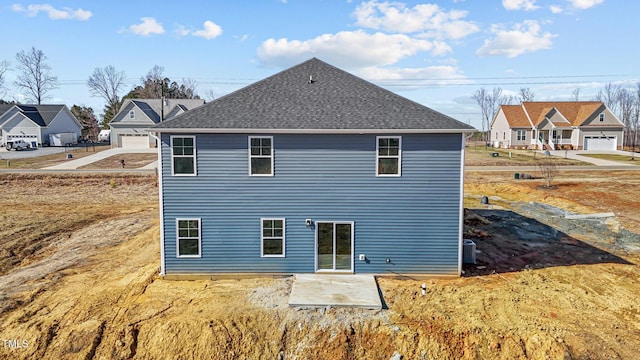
104 135
17 145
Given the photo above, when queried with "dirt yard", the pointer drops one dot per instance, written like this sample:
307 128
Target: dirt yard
80 255
131 161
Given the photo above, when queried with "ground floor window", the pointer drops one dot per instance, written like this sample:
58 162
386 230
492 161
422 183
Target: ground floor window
272 238
188 237
521 135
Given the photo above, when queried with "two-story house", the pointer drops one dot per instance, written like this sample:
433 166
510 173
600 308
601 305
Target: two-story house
129 127
311 170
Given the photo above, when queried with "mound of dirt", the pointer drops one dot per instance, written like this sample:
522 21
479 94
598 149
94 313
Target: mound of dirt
548 290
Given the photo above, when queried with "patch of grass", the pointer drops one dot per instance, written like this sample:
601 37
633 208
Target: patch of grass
479 155
615 157
50 160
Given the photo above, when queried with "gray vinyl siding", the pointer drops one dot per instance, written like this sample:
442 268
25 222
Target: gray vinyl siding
413 220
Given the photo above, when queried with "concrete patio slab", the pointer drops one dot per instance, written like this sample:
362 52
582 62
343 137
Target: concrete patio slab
319 290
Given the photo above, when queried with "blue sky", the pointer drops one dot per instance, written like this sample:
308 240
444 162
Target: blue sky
436 53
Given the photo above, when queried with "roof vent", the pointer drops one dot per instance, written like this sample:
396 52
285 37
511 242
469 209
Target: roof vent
311 81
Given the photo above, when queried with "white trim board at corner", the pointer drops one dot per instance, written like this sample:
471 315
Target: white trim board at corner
589 216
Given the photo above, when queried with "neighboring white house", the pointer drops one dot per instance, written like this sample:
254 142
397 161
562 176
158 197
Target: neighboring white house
36 124
129 126
577 125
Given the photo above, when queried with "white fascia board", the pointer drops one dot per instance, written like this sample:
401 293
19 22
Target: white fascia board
308 131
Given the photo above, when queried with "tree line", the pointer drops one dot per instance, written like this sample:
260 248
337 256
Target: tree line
623 102
36 80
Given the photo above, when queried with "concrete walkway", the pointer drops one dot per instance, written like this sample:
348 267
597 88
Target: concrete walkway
576 155
318 290
76 163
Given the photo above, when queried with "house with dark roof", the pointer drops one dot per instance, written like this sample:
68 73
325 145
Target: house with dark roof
129 126
39 124
576 125
311 170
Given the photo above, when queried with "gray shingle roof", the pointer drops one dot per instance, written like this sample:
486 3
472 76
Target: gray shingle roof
147 110
315 96
39 114
153 107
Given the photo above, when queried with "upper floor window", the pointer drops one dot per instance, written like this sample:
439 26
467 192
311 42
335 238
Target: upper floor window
388 156
188 237
521 135
183 155
602 117
272 238
132 114
261 156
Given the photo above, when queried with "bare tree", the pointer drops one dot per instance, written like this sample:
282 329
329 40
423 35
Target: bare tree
526 94
154 84
609 96
548 170
627 105
34 74
190 88
575 95
635 121
4 66
210 95
107 83
507 100
489 104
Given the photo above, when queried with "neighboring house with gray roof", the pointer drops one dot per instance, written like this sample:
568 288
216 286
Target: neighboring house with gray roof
129 126
311 170
37 124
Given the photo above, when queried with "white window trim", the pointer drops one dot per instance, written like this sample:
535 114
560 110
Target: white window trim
259 156
399 156
523 137
199 238
262 238
195 162
132 114
353 241
601 117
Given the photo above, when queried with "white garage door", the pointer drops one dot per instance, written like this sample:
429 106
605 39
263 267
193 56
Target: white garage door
600 143
134 142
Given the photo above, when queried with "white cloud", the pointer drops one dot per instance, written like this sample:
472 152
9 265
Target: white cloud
147 27
522 38
210 30
53 13
242 38
182 31
350 49
585 4
408 78
556 9
520 4
428 18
